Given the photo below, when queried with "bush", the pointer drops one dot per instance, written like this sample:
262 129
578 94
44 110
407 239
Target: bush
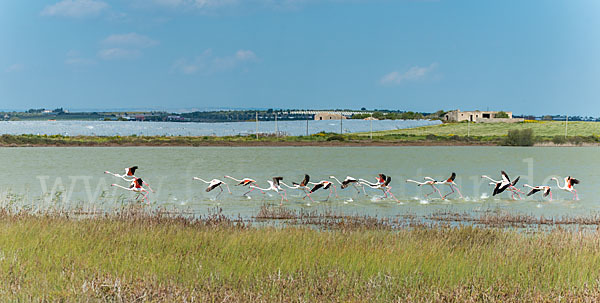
522 137
431 137
336 138
559 140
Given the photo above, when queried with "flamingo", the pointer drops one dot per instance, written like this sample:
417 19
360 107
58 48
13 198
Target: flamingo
324 184
214 183
136 186
244 182
449 182
129 172
427 182
384 187
505 184
303 185
569 186
274 185
349 181
534 189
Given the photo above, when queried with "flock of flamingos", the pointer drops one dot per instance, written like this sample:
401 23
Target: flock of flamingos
382 182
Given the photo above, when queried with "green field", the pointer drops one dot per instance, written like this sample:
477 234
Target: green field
541 129
149 258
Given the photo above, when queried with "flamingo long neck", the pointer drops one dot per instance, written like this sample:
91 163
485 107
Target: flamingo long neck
490 179
232 178
336 179
201 180
558 184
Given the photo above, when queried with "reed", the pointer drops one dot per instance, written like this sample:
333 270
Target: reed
141 255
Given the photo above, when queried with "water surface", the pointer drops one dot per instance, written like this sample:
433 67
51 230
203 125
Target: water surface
71 177
127 128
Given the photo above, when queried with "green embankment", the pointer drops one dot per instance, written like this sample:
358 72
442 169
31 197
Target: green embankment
53 258
444 134
547 129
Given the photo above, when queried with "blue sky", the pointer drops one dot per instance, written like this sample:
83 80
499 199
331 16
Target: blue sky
531 57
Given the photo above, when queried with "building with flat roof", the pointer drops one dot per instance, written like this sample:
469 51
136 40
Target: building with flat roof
480 116
329 116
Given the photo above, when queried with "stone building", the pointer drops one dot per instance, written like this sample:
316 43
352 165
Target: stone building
479 117
329 116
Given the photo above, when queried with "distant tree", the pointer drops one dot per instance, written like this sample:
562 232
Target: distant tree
363 108
547 118
501 114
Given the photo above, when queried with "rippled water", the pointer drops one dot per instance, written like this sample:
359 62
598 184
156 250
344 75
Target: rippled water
126 128
71 177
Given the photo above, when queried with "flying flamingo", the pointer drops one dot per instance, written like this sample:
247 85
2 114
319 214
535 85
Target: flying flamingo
427 182
214 183
384 187
324 184
535 189
129 172
350 181
569 186
244 182
449 182
274 185
505 184
303 185
136 186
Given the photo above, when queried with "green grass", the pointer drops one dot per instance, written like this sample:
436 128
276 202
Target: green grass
540 128
150 258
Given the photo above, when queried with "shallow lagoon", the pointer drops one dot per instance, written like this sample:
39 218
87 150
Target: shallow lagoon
73 177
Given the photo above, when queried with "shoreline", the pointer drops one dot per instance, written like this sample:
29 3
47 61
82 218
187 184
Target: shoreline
318 140
261 144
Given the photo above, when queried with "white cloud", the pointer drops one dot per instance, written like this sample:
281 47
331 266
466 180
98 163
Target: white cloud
201 4
124 46
119 53
415 73
207 64
129 40
214 5
75 59
75 8
17 67
245 55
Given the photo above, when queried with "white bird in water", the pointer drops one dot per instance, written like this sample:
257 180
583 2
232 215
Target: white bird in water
274 185
427 182
504 184
214 183
244 182
449 182
324 184
534 189
129 172
136 186
129 176
383 184
569 186
349 181
303 185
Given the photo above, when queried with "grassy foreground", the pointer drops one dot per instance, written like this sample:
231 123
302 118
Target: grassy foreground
153 258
